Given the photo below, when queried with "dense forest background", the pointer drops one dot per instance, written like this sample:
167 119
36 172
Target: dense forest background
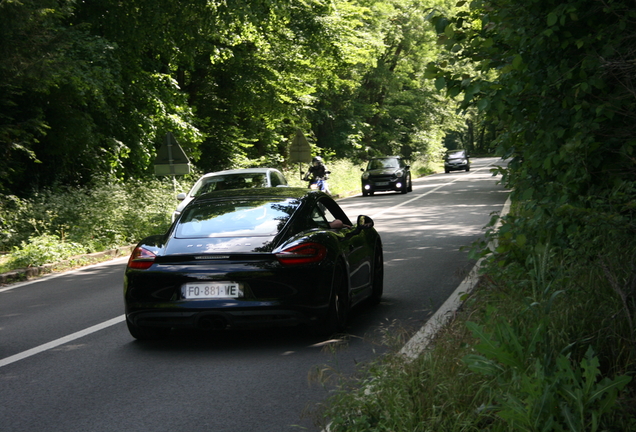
90 88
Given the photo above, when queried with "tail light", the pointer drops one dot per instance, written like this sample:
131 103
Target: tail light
305 253
141 258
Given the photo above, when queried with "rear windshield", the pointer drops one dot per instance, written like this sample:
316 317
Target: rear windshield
230 181
235 218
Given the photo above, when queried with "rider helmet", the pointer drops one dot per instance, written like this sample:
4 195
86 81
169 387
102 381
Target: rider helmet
316 160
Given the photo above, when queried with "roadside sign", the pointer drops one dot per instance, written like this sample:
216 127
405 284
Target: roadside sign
171 159
299 151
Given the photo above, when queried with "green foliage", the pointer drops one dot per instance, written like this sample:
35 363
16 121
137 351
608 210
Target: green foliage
108 214
90 88
43 249
530 350
544 396
551 76
375 100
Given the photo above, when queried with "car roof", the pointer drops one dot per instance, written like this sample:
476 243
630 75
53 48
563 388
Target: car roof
259 193
388 157
240 171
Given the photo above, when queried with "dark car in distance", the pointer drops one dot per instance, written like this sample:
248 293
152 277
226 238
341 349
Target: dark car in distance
250 258
456 160
388 173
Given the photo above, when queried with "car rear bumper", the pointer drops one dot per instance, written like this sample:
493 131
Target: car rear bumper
265 315
218 320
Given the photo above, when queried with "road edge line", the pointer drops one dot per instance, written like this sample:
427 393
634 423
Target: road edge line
421 340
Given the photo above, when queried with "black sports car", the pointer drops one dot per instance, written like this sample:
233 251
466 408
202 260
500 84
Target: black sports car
254 257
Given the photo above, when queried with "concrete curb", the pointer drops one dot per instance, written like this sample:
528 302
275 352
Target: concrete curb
31 272
421 340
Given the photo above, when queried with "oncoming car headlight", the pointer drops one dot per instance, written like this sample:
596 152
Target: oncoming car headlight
365 176
399 174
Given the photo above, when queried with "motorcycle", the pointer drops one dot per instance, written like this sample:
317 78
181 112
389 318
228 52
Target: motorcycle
319 183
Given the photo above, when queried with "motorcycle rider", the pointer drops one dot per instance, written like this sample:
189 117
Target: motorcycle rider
317 174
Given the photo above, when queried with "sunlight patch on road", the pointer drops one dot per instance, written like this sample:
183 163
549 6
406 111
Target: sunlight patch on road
436 188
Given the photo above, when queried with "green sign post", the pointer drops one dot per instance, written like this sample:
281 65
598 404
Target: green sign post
171 159
300 151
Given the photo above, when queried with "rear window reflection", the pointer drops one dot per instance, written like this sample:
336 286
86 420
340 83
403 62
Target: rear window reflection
235 218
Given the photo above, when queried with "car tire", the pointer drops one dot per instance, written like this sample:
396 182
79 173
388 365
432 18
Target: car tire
405 187
339 305
146 333
467 168
410 184
378 276
364 193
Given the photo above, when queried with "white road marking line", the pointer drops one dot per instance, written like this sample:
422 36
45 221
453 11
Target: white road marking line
61 341
420 340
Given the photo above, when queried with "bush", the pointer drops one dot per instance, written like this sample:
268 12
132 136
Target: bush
108 214
43 249
546 343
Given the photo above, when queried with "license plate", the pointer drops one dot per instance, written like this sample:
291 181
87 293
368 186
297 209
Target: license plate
211 290
381 183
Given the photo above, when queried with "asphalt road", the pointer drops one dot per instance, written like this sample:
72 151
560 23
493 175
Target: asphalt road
67 362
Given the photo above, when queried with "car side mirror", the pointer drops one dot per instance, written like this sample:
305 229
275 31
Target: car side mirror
181 196
365 222
408 167
362 169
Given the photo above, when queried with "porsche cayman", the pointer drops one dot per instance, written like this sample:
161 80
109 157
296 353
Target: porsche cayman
252 258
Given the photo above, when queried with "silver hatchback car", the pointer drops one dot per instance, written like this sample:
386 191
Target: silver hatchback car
231 179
